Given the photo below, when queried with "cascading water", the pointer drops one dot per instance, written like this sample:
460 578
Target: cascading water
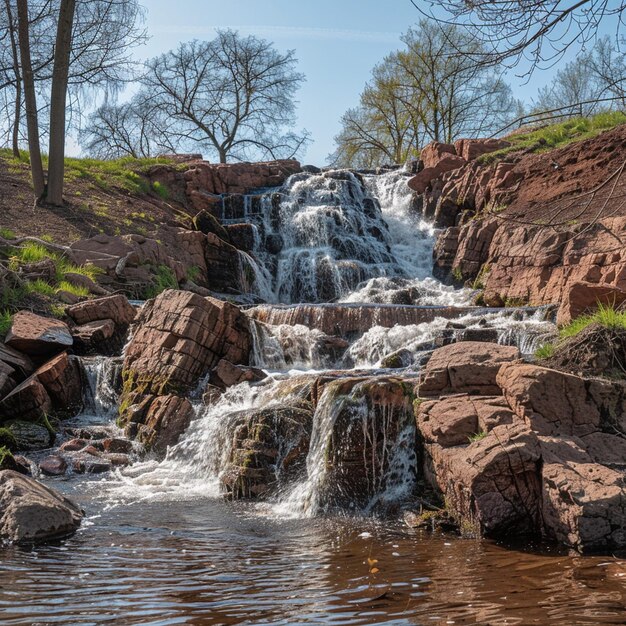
355 240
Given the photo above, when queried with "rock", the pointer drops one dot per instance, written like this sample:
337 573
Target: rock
7 379
166 420
53 465
207 223
68 297
179 337
37 336
468 367
16 360
471 149
33 513
116 308
433 153
422 180
87 464
242 236
226 374
555 403
492 486
269 445
61 378
7 461
30 436
224 261
84 282
117 446
41 270
29 401
94 337
486 335
584 297
74 445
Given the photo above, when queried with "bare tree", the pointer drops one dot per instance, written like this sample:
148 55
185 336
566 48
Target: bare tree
537 31
233 96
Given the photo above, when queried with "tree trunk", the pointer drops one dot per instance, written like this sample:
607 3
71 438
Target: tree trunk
58 98
30 100
18 80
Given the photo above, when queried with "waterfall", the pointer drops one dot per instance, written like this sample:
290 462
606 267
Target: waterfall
100 391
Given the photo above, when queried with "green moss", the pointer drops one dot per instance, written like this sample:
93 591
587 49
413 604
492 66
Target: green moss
6 459
6 319
7 233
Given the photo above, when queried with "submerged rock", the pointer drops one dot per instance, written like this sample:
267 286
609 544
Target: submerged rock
33 513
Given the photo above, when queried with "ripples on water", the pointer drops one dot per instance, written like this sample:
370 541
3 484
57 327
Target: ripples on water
208 562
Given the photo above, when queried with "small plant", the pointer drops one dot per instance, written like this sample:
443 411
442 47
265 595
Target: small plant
64 285
7 439
7 233
477 436
164 279
545 351
161 190
6 319
457 274
606 315
40 287
193 273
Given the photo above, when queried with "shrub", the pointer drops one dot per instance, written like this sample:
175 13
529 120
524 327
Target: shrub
164 279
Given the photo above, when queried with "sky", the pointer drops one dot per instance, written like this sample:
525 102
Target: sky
337 43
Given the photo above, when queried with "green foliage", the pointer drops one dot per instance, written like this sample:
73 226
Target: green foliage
6 458
6 319
7 440
545 351
457 274
7 233
477 436
557 135
161 190
64 285
606 315
29 253
40 287
164 279
193 273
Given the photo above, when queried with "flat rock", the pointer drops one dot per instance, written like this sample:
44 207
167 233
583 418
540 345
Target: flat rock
116 308
37 336
33 513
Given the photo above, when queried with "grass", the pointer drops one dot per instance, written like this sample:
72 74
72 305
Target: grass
164 279
64 285
161 190
40 287
606 315
557 135
7 233
6 319
477 436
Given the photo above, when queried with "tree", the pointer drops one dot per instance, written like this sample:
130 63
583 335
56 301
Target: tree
538 31
129 129
233 96
424 92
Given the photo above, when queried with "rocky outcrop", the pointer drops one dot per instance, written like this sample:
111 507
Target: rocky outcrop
180 336
541 456
31 513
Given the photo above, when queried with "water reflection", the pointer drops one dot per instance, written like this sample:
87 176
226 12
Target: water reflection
207 562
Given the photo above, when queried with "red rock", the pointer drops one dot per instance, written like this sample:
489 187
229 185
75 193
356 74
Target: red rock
471 149
37 336
467 367
433 153
16 360
28 401
53 465
555 403
93 333
117 459
166 420
62 381
117 446
584 297
7 379
74 445
421 181
226 374
116 308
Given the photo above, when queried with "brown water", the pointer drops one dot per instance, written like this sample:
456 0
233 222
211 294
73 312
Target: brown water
208 562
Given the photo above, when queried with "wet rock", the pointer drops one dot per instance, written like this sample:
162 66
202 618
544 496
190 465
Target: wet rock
53 465
165 421
62 381
397 360
468 367
74 445
29 401
38 336
269 445
487 335
33 513
91 338
211 395
117 446
242 236
206 223
30 436
87 464
226 374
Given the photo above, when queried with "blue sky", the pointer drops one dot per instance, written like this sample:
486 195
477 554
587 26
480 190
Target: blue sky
337 42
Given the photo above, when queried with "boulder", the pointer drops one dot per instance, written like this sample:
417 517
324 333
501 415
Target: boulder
94 337
38 336
179 337
30 436
468 367
53 465
493 485
116 308
243 236
7 379
556 403
471 149
584 297
32 513
17 360
61 378
206 223
29 401
269 445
